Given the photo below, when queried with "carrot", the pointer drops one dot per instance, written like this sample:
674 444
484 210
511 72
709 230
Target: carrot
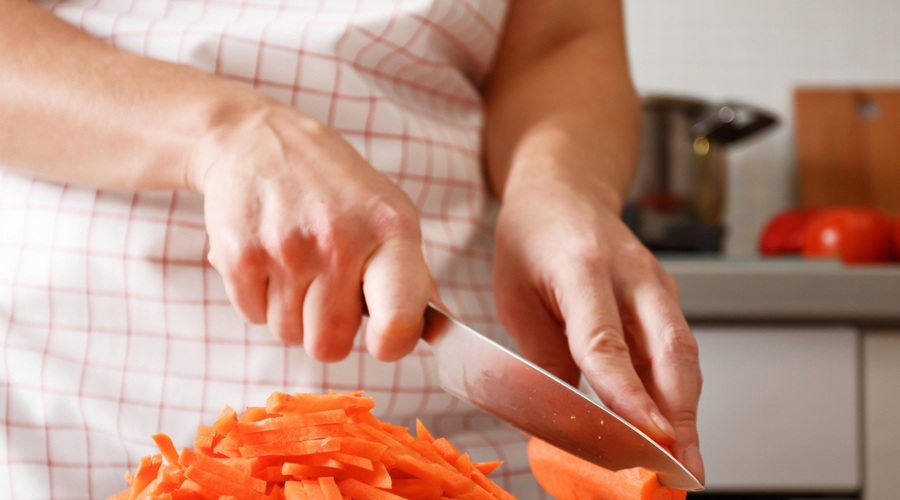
166 447
330 488
239 478
147 471
358 489
310 447
487 467
567 477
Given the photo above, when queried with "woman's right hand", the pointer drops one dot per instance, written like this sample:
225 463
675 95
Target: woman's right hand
298 222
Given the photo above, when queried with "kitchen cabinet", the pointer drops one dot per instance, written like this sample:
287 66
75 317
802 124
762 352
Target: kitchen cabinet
779 409
881 359
801 364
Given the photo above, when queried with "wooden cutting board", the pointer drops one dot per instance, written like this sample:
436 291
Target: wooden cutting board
848 146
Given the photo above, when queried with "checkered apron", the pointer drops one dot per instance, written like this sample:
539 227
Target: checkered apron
114 327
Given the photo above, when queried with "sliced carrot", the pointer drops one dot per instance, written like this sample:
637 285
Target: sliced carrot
226 421
189 458
447 451
378 477
148 469
296 448
487 467
422 432
294 490
419 489
360 490
330 488
169 480
280 402
317 460
206 439
311 447
567 477
254 414
293 434
294 421
362 447
166 447
297 470
212 482
491 487
464 464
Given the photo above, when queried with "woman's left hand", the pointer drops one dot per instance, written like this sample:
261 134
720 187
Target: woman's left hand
581 295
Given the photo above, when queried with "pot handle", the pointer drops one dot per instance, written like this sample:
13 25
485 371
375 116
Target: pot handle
731 122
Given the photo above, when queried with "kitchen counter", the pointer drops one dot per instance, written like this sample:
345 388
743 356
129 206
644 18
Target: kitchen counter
785 289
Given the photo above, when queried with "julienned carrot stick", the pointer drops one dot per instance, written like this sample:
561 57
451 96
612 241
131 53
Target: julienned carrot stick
362 491
166 447
568 477
311 447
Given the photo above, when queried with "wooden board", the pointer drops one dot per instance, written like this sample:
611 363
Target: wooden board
848 146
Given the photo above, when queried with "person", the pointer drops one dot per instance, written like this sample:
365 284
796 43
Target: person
177 177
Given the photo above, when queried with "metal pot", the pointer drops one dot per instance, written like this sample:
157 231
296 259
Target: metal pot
678 197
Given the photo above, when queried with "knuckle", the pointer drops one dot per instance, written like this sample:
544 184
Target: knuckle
680 346
606 340
289 251
390 219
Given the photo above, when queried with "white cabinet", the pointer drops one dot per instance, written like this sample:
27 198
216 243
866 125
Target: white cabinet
881 355
780 409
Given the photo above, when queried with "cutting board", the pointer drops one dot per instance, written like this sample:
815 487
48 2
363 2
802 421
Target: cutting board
848 146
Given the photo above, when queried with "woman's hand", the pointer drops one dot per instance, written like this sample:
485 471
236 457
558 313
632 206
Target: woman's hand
582 295
298 222
573 284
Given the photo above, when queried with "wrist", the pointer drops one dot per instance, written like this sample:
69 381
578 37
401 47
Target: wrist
528 183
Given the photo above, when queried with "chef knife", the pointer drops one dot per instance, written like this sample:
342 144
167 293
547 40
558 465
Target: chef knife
489 376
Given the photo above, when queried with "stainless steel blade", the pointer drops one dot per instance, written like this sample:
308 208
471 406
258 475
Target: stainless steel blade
480 371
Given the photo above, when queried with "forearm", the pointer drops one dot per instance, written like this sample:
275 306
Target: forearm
567 112
74 109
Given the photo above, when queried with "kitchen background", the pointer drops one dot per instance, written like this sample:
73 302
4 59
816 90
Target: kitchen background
757 52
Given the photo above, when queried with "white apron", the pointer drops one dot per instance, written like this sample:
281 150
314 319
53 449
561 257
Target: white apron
113 326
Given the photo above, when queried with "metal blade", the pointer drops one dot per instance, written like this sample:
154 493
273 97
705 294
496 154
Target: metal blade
480 371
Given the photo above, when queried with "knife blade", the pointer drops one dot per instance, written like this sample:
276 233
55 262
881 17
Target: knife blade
478 370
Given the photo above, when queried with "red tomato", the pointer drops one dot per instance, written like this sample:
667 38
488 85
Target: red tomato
856 235
897 238
784 233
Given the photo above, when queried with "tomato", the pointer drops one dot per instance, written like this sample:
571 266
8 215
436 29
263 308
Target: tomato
897 238
856 235
784 233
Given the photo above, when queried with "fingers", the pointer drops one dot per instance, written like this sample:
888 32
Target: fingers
674 379
537 332
332 313
396 285
599 347
246 281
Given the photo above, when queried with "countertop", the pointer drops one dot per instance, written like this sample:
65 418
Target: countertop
785 289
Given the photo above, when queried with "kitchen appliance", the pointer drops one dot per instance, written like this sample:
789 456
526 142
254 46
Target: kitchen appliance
848 146
479 371
678 195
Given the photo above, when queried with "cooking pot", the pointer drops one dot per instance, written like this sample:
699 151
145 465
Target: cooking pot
678 195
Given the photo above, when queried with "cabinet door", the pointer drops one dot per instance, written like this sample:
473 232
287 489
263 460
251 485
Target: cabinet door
780 408
882 413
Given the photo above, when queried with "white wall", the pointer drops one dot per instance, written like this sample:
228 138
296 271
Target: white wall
757 51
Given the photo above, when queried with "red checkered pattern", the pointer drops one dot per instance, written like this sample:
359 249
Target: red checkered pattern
114 327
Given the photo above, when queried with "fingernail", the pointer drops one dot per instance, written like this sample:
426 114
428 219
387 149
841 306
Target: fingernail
663 425
694 462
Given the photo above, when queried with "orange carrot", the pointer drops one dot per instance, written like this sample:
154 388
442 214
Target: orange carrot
147 471
487 467
166 447
358 489
567 477
330 488
310 447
